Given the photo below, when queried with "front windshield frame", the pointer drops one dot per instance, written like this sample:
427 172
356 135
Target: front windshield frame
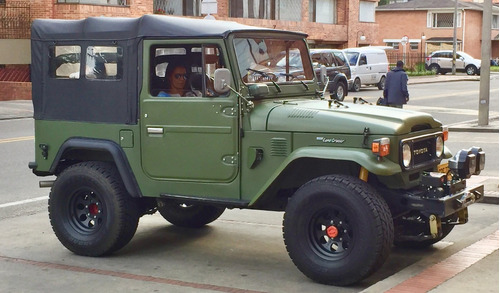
275 59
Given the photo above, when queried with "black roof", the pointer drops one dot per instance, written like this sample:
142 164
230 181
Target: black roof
431 5
114 28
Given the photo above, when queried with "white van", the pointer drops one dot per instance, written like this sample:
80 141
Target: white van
369 66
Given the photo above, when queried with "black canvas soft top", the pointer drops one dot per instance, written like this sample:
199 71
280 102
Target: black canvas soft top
109 101
115 28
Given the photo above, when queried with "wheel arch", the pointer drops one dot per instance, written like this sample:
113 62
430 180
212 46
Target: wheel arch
308 163
78 149
338 77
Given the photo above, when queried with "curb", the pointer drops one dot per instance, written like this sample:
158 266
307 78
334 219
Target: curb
471 126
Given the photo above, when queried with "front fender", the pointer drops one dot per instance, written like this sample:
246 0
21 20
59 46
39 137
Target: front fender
363 157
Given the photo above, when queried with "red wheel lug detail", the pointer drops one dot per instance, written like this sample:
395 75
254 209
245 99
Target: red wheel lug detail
332 231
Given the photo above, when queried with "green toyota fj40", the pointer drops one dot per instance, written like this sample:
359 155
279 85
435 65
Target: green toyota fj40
250 129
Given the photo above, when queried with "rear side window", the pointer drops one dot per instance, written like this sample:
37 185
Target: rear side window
340 59
64 61
104 62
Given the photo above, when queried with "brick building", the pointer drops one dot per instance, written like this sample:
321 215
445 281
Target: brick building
329 23
428 24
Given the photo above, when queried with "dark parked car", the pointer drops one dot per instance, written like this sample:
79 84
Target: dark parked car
337 69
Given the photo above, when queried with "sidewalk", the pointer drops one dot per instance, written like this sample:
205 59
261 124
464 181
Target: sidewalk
442 78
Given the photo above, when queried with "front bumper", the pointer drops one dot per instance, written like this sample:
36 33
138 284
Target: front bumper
444 206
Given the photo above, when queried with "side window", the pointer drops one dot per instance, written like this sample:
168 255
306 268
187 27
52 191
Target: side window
64 62
362 60
340 59
185 70
104 62
321 59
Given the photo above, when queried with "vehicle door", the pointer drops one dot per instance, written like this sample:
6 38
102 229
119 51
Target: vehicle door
460 62
193 137
445 59
364 70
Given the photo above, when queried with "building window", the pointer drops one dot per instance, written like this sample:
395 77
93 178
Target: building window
97 2
367 11
494 22
413 46
323 11
177 7
394 45
443 20
267 9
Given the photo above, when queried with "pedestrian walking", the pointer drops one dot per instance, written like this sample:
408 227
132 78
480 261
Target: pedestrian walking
396 87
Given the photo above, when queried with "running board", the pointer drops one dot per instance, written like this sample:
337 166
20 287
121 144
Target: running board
208 201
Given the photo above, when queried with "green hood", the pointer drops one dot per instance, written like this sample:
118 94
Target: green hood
318 116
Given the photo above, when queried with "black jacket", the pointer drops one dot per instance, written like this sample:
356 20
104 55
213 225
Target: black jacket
396 87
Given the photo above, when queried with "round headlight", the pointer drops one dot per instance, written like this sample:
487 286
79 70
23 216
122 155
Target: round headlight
439 146
406 155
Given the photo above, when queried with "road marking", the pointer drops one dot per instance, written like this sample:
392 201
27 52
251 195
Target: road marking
48 265
16 203
439 273
15 139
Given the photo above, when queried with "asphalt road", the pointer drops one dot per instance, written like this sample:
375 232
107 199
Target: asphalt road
243 251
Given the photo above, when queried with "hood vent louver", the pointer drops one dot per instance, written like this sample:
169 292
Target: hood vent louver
302 113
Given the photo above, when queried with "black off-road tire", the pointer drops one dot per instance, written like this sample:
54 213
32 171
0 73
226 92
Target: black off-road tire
337 230
90 211
188 215
426 243
420 229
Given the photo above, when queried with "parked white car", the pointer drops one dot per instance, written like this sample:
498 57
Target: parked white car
441 62
369 66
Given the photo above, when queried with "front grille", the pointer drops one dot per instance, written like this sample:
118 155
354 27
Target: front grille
423 150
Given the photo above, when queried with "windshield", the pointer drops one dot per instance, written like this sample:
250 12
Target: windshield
272 60
352 57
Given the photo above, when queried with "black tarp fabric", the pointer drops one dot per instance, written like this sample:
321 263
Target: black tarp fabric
107 101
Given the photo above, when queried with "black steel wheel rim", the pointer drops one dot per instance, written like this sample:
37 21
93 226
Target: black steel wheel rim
86 211
330 234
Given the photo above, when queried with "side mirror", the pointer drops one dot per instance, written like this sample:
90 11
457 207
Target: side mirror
258 90
323 74
222 80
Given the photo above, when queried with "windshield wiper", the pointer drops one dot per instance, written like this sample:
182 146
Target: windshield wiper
293 76
266 76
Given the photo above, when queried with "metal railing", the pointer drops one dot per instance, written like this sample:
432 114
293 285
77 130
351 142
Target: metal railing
15 20
412 60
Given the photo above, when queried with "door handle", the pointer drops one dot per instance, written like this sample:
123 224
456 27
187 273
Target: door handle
155 130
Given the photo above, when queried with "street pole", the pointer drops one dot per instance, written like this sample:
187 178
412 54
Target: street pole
484 83
454 60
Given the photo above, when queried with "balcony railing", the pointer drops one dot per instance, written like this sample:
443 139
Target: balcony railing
96 2
15 20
